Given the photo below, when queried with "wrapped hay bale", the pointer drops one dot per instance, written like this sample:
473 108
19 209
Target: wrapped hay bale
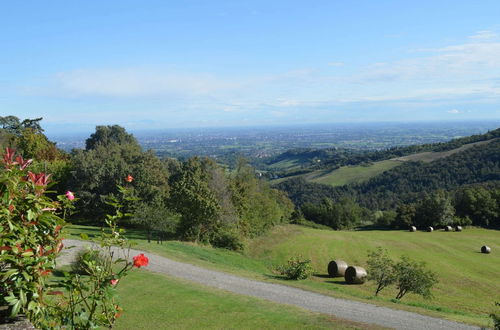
430 229
336 268
355 275
458 228
447 228
413 229
485 249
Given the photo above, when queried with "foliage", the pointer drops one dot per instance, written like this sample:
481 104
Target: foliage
156 218
111 155
29 237
380 269
192 198
496 318
344 214
87 257
296 268
30 242
434 210
412 276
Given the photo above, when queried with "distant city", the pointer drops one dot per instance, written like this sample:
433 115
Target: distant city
261 142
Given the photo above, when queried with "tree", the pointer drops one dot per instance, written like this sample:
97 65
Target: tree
192 198
435 210
156 218
380 269
106 135
112 154
479 204
412 276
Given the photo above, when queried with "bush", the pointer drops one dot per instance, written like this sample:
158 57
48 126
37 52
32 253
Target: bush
296 269
228 239
85 261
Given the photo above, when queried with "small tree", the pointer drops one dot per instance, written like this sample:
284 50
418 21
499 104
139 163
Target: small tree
413 277
380 269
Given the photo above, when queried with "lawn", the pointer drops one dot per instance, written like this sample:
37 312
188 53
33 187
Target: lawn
468 280
157 301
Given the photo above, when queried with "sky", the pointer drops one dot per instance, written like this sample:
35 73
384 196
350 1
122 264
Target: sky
169 64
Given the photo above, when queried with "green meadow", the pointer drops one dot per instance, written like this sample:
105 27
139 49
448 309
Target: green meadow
468 280
152 300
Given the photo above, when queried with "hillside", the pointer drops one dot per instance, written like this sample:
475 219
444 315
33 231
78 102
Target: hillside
355 166
469 164
345 175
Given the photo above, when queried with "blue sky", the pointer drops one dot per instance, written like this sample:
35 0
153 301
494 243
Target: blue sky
161 64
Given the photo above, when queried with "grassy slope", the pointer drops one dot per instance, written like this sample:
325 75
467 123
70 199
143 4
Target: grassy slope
157 301
468 280
352 174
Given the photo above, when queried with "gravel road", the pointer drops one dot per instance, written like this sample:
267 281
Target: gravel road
341 308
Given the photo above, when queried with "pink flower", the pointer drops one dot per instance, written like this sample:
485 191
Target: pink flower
70 195
114 282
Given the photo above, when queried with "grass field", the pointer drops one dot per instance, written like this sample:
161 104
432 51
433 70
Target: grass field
157 301
468 287
352 174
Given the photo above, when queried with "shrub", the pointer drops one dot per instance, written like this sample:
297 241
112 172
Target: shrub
228 239
496 318
296 269
412 276
86 260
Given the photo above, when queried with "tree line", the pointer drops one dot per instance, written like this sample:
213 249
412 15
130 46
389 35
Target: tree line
195 200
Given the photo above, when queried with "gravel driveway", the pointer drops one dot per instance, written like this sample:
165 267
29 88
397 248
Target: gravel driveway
341 308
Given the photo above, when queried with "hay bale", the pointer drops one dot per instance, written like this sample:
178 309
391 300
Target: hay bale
430 229
413 229
447 228
458 228
485 249
336 268
355 275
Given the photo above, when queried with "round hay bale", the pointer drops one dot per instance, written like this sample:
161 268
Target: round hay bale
413 229
336 268
355 275
458 228
485 249
430 229
447 228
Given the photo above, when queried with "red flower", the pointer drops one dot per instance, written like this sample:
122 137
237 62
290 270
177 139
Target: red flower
140 260
129 178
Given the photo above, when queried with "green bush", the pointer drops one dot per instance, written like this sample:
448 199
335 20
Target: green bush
296 269
85 260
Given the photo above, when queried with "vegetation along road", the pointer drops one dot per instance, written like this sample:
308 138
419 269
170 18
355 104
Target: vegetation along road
341 308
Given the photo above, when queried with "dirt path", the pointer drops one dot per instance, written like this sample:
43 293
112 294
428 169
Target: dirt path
341 308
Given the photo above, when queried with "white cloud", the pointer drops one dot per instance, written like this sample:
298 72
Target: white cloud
454 111
137 82
484 35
